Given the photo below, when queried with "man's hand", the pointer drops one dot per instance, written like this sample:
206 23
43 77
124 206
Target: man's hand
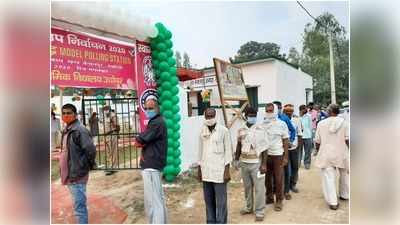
137 144
235 164
285 160
199 177
263 168
227 174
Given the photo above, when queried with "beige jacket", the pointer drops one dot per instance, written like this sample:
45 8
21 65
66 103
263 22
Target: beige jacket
215 151
331 134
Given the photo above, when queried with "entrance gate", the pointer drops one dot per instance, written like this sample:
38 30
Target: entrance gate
115 149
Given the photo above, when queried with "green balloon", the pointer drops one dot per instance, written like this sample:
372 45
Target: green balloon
169 123
153 43
177 118
176 126
172 144
162 56
160 90
164 76
168 114
164 66
154 54
160 27
174 90
156 63
166 85
171 151
169 178
167 105
176 144
161 47
171 160
177 153
168 169
176 170
169 52
175 109
166 95
171 61
168 43
174 80
176 135
168 34
172 71
175 100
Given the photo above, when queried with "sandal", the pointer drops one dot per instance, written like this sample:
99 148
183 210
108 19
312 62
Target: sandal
278 206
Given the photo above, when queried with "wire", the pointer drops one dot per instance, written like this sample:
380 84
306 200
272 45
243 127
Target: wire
307 11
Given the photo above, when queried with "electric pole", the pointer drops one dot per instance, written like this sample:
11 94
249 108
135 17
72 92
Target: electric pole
332 65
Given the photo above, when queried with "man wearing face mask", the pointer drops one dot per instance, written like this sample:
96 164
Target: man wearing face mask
251 151
78 154
286 119
154 150
215 155
278 136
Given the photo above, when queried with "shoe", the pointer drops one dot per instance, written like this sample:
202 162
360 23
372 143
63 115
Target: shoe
343 199
307 167
259 218
278 206
334 207
109 172
245 211
294 189
288 196
269 201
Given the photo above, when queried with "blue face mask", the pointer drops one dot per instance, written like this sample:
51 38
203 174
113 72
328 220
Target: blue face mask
252 120
150 113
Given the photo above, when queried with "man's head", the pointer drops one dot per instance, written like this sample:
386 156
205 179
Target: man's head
269 108
302 110
151 108
251 115
69 114
288 110
317 107
209 115
333 110
310 106
279 104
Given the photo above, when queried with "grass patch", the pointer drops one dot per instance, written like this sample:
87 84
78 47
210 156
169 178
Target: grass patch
125 155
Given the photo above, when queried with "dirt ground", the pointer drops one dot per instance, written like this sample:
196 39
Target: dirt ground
185 202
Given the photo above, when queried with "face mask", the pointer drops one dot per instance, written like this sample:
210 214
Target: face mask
252 120
150 113
210 122
68 118
270 116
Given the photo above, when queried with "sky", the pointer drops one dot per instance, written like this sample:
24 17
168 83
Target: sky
210 29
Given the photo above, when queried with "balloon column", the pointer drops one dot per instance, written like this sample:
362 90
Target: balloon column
167 81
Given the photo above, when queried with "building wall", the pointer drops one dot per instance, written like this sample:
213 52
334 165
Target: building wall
292 84
264 76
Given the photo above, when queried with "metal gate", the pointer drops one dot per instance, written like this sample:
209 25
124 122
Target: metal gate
115 149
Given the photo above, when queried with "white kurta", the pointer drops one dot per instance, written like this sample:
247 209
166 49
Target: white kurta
215 152
254 141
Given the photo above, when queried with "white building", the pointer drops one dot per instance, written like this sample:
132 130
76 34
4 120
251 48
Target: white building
266 80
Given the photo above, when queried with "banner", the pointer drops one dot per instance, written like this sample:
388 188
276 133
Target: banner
146 81
79 60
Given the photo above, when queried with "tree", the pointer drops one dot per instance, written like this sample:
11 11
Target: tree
294 56
186 61
178 59
253 50
315 58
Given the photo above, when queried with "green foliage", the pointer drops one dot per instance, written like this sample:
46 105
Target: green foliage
253 50
315 58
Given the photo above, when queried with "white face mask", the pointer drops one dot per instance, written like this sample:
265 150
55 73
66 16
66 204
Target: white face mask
210 122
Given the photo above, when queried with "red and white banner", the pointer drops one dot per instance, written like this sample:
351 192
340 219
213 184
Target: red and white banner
145 77
79 60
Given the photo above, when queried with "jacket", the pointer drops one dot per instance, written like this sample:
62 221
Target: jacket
81 150
154 139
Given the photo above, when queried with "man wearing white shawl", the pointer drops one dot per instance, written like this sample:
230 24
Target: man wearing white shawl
251 157
332 142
